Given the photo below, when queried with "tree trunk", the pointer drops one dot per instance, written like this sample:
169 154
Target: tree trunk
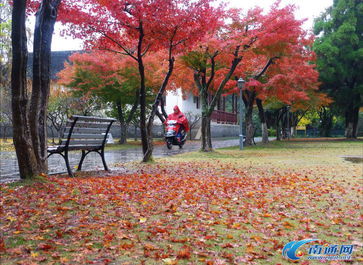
154 109
206 133
351 122
206 143
261 114
249 125
150 145
21 135
277 125
250 130
135 131
123 125
43 31
143 130
123 137
209 134
326 118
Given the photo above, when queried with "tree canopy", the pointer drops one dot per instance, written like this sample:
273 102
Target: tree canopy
339 47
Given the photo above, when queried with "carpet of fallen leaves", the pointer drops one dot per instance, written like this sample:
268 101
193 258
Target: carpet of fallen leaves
225 207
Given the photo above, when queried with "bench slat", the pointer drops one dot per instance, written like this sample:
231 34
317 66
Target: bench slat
88 124
84 142
90 118
83 147
87 136
84 130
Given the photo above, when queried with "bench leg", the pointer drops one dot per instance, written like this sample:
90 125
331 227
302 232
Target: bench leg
81 161
102 154
70 173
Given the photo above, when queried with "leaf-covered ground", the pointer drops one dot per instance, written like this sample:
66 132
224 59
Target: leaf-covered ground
226 207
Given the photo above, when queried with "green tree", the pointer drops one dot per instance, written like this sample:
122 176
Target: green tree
5 64
339 47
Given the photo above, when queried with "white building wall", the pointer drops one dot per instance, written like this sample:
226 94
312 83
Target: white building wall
185 105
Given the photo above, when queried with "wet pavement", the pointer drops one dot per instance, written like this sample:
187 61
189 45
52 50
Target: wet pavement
9 165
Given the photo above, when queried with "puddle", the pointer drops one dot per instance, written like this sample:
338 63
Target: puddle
354 159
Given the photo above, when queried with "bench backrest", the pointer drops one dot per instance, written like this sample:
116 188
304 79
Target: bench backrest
86 131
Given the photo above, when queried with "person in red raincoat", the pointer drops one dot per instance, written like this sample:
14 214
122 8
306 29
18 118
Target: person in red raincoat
180 119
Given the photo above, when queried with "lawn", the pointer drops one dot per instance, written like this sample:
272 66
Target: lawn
225 207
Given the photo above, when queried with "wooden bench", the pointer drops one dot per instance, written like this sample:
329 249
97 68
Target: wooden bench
85 133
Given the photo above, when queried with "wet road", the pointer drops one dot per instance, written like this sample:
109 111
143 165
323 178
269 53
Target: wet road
9 165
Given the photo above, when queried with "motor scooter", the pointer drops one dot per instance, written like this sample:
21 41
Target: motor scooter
174 134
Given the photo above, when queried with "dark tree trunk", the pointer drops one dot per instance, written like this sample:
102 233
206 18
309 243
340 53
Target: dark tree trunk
261 114
206 143
278 131
352 116
123 125
351 122
24 150
43 32
154 109
249 125
206 139
143 130
249 100
162 107
278 116
326 118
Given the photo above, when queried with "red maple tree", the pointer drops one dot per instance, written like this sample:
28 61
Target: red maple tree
247 47
136 28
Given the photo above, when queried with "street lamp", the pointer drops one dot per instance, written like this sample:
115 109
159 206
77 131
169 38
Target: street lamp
240 84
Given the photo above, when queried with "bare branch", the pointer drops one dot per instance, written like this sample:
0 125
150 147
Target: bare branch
114 41
212 68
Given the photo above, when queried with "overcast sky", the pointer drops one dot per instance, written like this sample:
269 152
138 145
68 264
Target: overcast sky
309 9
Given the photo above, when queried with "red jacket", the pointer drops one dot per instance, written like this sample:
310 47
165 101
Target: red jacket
179 117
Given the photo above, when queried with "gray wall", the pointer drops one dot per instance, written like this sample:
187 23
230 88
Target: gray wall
220 130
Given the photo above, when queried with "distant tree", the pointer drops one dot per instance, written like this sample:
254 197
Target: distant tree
62 104
5 112
114 79
193 119
5 45
339 47
5 66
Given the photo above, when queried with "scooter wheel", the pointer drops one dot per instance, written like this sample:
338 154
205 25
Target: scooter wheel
169 145
180 146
